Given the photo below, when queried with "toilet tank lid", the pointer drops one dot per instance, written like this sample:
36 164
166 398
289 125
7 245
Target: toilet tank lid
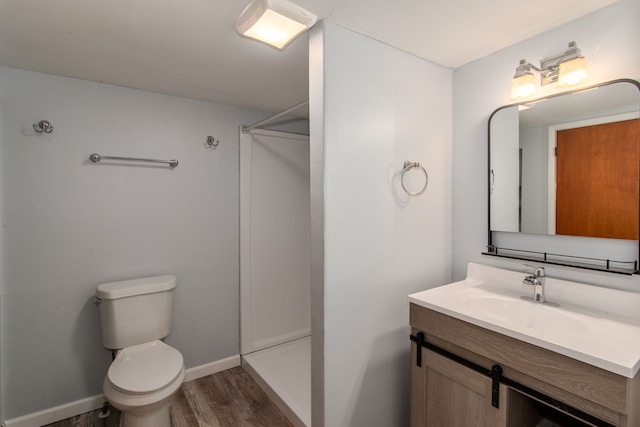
144 285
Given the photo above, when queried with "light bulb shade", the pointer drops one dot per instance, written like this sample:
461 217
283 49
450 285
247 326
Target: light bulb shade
523 86
573 71
274 22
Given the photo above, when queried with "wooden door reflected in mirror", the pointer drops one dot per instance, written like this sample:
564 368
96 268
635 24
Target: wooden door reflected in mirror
597 180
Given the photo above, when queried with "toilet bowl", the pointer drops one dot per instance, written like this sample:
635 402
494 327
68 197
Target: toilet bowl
140 382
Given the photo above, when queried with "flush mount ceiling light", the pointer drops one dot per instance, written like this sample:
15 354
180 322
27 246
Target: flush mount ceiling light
274 22
567 69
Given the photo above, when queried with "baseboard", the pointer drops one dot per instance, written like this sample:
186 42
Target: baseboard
212 368
58 413
72 409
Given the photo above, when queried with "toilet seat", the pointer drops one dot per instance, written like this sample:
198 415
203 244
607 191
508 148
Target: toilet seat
145 368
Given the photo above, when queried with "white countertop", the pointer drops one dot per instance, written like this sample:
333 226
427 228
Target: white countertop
595 325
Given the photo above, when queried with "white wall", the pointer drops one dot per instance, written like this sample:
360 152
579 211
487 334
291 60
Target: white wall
608 39
374 108
535 157
69 225
504 175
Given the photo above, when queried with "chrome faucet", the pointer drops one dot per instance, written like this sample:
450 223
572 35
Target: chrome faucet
537 280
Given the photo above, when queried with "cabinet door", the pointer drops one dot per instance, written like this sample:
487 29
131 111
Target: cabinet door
445 393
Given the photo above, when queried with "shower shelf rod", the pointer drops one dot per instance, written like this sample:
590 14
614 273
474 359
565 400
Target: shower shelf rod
246 129
95 158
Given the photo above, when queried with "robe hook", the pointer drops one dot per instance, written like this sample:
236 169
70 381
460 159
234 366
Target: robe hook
212 142
43 126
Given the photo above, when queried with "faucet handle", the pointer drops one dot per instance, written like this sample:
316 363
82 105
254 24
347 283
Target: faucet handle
536 270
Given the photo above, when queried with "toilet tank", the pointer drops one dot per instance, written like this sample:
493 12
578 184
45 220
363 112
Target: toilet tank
135 311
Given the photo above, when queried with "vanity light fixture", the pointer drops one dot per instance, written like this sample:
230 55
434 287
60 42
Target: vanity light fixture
567 69
274 22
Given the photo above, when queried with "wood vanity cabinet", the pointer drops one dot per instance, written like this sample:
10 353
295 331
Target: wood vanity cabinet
538 386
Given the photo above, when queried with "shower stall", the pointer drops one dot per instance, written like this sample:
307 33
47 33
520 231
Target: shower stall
275 323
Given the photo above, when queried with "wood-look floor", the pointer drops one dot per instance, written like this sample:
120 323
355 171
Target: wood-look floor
227 399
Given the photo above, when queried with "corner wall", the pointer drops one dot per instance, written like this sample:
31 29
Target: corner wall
608 38
373 244
69 225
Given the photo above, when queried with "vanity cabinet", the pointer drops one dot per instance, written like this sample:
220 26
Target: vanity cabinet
537 386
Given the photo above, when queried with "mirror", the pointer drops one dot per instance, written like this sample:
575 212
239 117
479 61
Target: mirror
567 165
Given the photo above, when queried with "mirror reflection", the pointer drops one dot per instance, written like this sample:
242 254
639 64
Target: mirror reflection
568 164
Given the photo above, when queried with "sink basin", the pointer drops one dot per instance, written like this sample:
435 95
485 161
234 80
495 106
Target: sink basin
526 314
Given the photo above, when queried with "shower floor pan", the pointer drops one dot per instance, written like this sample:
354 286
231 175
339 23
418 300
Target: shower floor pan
284 373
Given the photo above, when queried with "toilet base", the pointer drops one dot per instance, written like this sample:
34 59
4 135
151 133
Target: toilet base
143 410
153 417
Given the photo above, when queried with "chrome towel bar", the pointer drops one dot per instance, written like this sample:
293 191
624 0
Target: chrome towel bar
95 158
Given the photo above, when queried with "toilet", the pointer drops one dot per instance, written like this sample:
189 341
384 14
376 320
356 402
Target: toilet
135 317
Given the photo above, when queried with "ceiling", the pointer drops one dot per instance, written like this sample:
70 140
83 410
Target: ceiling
189 47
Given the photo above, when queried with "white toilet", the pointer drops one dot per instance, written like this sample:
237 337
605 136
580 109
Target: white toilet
135 316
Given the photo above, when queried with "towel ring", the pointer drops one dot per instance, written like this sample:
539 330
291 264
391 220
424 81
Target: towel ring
406 168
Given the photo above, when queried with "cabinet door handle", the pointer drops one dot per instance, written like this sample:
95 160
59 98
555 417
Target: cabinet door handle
419 340
496 374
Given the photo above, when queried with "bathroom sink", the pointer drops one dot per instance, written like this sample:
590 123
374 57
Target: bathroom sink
595 325
528 314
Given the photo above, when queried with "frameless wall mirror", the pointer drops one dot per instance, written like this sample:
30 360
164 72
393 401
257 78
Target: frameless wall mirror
563 178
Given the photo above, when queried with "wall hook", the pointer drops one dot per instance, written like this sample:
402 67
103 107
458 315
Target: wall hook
211 142
43 126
